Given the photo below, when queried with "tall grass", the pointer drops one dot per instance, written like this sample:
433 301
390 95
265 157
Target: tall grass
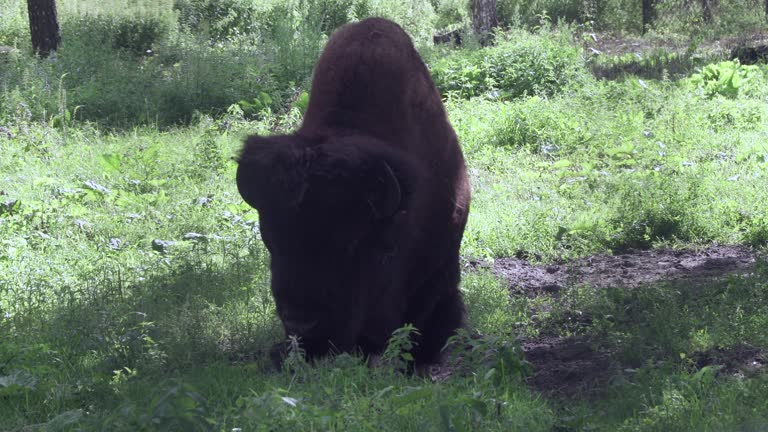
134 289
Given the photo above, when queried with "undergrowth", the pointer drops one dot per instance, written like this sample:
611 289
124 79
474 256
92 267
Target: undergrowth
134 288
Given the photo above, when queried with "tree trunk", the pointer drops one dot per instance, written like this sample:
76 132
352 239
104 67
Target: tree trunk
484 19
706 10
649 13
591 8
43 26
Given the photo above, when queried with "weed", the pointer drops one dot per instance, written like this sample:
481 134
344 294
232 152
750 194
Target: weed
727 79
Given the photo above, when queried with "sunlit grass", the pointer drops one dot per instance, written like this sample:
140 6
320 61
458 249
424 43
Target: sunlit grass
134 289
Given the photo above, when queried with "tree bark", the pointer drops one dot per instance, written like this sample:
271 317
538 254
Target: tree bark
706 10
649 13
44 26
484 19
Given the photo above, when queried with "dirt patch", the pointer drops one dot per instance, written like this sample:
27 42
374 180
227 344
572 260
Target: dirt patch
610 45
559 366
568 366
742 360
749 48
627 270
572 367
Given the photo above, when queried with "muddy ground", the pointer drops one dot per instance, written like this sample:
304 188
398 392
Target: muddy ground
572 366
749 48
627 270
610 45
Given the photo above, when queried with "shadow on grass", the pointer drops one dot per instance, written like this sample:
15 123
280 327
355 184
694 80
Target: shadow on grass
701 310
193 308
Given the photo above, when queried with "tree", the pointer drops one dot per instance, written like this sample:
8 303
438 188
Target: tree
44 26
484 19
649 13
706 10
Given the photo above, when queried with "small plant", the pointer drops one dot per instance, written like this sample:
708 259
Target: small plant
173 406
260 104
397 355
131 346
502 358
527 13
726 79
295 359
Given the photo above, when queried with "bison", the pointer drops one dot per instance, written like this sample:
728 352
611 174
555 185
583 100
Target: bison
363 208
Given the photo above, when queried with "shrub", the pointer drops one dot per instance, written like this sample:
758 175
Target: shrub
726 78
332 14
452 14
181 79
14 28
102 73
137 35
228 19
133 35
639 224
217 19
417 17
730 17
115 88
296 38
529 13
618 15
520 64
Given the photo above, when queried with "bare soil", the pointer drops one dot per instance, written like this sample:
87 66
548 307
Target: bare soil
626 270
610 45
742 360
576 367
568 366
573 367
749 48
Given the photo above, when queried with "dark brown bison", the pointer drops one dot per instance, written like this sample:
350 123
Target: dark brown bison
363 208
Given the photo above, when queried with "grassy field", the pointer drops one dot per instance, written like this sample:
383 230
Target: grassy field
134 289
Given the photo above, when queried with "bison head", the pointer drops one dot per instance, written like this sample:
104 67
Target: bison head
331 212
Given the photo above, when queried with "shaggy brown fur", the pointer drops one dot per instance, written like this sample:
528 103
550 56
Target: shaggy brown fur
364 207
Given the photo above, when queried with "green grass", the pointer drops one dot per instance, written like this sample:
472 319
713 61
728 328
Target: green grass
102 329
612 166
659 334
134 290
